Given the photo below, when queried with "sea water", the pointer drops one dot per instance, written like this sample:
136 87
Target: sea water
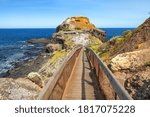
13 46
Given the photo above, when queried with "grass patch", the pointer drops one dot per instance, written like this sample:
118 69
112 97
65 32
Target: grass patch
95 40
58 54
95 47
95 43
116 40
104 55
77 28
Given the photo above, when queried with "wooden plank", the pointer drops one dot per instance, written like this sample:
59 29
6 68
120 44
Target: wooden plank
81 84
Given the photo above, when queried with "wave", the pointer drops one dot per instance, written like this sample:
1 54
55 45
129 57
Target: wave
12 54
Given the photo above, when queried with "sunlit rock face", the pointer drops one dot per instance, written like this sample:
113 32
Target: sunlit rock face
81 24
75 23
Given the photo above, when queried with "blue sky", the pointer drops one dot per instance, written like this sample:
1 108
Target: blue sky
50 13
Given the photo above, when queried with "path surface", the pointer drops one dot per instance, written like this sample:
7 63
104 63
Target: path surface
82 84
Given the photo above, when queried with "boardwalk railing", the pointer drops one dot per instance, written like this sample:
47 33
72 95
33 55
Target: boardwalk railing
54 89
110 86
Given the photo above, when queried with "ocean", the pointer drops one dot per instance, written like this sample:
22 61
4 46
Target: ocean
13 46
111 32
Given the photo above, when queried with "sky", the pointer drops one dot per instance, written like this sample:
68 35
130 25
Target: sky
51 13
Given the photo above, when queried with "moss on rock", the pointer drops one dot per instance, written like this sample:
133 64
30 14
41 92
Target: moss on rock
58 54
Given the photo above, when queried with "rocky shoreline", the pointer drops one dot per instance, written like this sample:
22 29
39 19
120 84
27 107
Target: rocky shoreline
22 69
72 32
26 80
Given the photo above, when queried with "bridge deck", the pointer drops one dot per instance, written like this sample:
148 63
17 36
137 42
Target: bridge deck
82 83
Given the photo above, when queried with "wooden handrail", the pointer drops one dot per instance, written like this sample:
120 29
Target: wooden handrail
55 87
101 69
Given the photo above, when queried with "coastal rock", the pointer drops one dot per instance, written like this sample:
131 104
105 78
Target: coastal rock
98 33
80 24
130 60
39 41
53 47
36 78
138 86
18 89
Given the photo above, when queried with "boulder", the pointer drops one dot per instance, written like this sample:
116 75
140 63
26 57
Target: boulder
53 47
36 78
130 60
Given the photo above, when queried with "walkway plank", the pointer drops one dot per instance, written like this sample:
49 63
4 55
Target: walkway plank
82 84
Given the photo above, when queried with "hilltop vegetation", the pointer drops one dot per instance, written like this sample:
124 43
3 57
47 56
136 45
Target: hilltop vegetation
75 23
110 48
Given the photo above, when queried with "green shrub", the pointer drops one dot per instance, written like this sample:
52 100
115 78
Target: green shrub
104 55
57 54
77 28
127 34
95 47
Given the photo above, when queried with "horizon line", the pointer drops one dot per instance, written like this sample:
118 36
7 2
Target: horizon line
55 28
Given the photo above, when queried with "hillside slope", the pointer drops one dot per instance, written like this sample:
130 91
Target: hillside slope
128 57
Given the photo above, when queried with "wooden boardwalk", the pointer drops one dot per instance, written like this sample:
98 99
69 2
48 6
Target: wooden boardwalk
76 79
82 84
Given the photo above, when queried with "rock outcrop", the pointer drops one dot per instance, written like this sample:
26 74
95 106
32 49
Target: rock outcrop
18 89
53 47
80 24
139 85
130 60
75 23
39 41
